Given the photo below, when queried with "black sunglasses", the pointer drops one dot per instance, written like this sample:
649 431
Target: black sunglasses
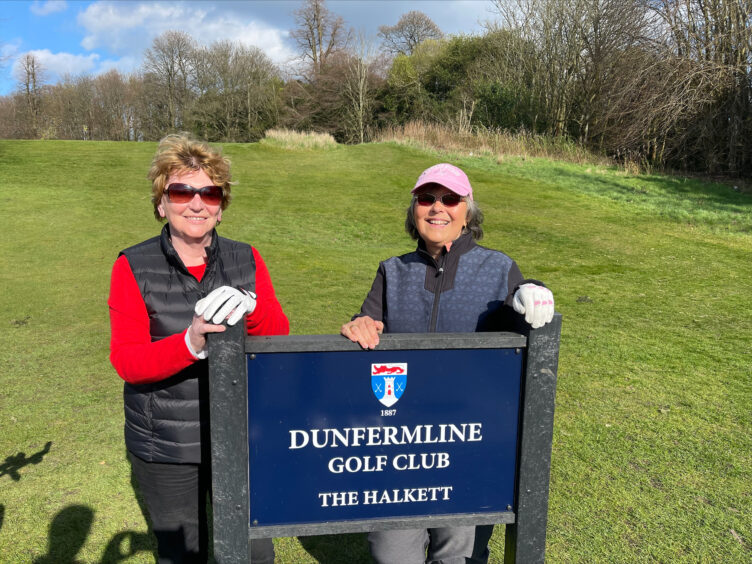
184 193
449 200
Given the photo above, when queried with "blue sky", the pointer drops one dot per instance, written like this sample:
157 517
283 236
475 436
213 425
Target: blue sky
78 37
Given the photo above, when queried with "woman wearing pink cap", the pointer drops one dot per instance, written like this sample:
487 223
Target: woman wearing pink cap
449 284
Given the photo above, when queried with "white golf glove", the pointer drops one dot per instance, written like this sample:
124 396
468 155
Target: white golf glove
536 303
223 301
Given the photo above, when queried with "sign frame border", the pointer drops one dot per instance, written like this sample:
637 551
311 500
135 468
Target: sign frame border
228 407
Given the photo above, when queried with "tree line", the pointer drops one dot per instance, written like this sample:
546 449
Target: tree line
664 83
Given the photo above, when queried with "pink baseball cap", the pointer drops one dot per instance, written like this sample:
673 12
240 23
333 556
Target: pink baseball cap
448 176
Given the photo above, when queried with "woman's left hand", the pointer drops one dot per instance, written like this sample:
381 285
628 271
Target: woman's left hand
227 303
536 303
363 330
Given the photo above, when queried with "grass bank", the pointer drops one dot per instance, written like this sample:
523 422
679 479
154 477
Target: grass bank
651 454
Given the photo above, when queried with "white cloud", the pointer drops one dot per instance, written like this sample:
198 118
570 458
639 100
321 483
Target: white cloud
45 8
57 65
129 27
9 51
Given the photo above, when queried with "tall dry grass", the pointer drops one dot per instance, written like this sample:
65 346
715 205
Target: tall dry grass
488 142
478 140
298 139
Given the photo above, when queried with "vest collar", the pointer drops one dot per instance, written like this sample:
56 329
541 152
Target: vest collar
172 255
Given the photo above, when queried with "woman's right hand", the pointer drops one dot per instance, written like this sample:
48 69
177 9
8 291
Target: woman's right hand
196 334
363 330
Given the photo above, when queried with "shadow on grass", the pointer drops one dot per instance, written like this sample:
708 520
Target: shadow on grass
14 463
68 533
681 198
70 529
337 549
2 515
134 543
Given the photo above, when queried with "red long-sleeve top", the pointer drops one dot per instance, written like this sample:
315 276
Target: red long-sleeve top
138 360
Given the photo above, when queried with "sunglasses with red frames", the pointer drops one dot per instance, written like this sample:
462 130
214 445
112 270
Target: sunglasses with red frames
184 193
449 200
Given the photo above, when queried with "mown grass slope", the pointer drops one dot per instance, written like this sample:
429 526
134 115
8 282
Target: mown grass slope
652 453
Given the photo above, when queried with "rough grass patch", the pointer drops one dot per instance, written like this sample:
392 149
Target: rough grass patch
291 139
483 141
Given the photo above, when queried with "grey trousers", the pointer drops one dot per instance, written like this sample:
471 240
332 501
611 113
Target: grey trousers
446 545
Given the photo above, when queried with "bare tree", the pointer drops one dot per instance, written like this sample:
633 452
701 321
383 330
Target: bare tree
410 31
316 100
69 107
566 53
318 33
237 92
658 111
712 37
260 86
8 121
113 108
359 89
552 27
168 66
140 124
30 75
610 29
660 81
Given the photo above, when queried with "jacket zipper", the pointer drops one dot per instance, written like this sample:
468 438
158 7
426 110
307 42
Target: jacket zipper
437 295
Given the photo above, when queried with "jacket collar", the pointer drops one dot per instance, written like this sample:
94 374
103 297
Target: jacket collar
460 246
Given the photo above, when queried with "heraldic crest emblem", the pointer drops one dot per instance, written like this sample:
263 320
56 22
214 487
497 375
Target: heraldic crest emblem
388 381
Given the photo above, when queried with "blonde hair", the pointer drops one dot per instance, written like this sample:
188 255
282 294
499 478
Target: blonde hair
178 153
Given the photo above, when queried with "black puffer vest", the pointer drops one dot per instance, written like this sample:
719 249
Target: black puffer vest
168 421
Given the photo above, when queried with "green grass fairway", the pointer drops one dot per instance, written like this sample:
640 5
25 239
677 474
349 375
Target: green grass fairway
652 453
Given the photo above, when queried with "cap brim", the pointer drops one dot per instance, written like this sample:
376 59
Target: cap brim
459 191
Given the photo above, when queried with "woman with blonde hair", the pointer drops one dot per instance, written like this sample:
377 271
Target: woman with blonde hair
166 295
